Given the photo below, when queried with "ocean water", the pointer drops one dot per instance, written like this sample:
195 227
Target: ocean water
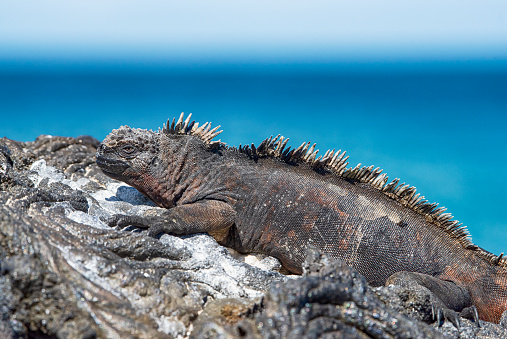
441 130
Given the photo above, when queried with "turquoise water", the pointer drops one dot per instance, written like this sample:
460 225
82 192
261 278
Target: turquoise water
441 130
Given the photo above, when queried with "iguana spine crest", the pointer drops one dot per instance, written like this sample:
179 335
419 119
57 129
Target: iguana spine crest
205 133
336 162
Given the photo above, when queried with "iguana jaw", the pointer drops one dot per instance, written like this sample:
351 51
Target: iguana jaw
145 183
112 167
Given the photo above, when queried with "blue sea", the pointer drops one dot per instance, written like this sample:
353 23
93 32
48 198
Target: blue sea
437 126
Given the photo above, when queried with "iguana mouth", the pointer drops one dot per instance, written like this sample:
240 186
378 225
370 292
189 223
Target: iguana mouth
111 167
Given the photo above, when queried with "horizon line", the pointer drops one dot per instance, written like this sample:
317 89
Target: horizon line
239 65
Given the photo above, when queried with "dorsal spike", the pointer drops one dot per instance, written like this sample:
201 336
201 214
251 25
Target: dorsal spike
167 126
213 134
186 122
179 123
285 152
305 148
195 125
310 151
199 131
275 140
283 144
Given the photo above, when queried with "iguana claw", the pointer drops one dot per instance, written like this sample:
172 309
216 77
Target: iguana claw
441 314
453 317
471 313
438 314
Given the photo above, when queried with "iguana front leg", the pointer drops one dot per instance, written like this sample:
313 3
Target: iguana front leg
211 216
449 299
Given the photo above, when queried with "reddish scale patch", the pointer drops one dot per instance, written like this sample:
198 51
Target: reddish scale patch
319 198
457 274
343 245
498 299
341 213
292 234
495 312
326 200
309 222
232 185
149 186
267 234
242 187
488 311
489 293
501 278
290 266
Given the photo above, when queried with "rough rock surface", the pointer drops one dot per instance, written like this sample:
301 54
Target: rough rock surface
65 274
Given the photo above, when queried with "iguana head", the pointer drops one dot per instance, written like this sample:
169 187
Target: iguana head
156 163
131 155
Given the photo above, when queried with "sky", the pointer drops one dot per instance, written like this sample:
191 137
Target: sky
273 31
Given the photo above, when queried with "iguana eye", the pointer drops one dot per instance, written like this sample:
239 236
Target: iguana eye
128 150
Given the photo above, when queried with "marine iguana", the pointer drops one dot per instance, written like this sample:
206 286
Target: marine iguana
276 200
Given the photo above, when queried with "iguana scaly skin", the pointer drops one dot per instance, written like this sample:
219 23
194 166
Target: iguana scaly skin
273 200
